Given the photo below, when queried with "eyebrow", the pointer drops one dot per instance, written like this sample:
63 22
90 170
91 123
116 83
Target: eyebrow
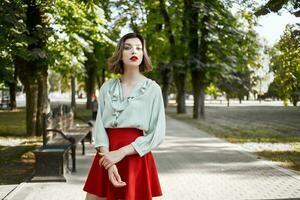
131 45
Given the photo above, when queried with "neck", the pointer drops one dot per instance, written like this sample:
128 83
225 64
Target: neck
131 74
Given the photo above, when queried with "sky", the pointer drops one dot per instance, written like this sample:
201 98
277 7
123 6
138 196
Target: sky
271 26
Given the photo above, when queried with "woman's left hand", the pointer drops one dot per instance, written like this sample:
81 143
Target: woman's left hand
110 158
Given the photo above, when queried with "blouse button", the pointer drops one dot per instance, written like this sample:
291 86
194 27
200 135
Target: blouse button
114 124
115 114
114 98
130 98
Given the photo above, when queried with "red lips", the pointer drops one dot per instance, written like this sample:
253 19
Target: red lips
134 58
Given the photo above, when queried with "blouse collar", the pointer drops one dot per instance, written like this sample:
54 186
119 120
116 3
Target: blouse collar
116 95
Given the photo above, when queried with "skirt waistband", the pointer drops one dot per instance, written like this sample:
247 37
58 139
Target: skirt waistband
119 137
124 130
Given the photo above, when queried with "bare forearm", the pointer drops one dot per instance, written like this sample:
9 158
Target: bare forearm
109 158
127 150
102 149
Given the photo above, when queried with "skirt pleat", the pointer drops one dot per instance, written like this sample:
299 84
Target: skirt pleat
139 173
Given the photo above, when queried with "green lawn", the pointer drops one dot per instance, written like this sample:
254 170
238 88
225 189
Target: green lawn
83 114
12 123
248 124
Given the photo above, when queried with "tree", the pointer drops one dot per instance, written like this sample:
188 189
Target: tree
31 44
12 43
276 5
79 36
31 62
285 64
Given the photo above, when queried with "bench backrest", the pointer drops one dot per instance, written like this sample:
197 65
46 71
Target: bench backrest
59 118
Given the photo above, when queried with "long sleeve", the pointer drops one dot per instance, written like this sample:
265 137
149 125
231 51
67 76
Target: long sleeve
101 138
157 128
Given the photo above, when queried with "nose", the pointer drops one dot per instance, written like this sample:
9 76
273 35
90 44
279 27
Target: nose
133 51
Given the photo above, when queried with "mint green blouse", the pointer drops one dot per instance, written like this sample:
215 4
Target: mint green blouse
142 109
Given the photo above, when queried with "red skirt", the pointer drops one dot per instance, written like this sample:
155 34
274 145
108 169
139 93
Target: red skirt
139 173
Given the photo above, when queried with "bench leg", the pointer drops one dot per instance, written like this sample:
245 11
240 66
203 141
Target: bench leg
83 147
73 158
89 137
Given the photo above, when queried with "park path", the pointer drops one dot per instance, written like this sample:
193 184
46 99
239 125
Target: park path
192 165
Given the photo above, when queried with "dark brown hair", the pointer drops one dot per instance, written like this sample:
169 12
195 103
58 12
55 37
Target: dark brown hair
115 63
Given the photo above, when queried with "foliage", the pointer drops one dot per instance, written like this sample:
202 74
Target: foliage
12 39
285 63
77 28
213 90
233 53
293 6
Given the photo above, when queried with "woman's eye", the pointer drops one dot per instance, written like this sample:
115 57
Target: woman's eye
127 48
139 48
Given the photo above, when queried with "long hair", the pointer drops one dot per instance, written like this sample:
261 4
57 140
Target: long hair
115 63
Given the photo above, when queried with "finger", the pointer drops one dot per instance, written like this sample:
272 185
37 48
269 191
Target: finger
106 165
118 178
105 162
114 182
101 161
118 184
117 175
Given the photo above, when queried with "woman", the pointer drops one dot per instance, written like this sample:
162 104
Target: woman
129 124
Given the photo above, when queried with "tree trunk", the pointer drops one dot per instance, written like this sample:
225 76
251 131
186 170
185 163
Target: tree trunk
42 102
12 94
181 93
103 76
90 81
228 99
202 101
294 101
203 58
171 38
180 72
13 88
31 107
165 74
196 92
164 71
73 92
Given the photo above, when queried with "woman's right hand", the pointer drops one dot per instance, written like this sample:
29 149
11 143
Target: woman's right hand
114 177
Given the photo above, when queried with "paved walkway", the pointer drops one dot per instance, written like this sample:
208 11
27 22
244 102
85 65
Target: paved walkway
192 165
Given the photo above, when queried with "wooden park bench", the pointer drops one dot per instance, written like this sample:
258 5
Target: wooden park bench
60 138
4 102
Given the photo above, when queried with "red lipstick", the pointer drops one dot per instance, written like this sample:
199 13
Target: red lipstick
134 58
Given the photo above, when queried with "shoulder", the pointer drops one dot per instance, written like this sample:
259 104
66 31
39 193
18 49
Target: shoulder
154 85
154 88
107 84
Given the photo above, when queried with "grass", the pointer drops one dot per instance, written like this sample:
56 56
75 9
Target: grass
12 123
289 159
252 124
17 162
83 114
247 124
